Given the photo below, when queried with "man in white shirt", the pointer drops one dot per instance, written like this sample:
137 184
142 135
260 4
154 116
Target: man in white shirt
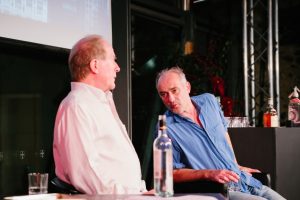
92 150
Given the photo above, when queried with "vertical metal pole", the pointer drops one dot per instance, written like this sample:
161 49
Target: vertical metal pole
270 51
186 5
277 91
245 58
252 64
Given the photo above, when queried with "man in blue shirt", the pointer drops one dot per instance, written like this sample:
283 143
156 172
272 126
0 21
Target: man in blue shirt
201 145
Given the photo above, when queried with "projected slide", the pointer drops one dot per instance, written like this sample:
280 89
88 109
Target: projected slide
57 23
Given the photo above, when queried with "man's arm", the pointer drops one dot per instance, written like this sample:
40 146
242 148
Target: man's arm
246 169
221 176
229 142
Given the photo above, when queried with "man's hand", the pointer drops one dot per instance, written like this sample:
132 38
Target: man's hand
248 170
150 192
223 176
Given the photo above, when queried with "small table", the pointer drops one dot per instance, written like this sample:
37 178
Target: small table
53 196
199 196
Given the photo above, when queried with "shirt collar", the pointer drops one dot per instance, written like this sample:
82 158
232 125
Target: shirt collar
175 118
100 94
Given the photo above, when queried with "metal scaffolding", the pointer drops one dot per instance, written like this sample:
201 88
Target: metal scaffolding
260 56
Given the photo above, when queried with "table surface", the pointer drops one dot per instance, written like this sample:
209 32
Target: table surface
198 196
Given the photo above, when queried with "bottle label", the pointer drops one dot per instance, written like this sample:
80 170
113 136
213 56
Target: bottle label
266 120
270 120
161 168
294 113
274 121
170 164
157 164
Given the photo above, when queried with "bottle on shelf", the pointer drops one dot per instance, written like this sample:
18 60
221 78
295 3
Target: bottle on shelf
294 108
163 161
270 116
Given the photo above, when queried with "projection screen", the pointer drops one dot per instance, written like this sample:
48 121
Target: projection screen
58 23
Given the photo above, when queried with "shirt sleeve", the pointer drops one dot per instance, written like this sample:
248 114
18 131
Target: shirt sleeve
220 111
177 159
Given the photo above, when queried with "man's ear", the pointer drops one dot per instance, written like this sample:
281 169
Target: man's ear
95 66
188 87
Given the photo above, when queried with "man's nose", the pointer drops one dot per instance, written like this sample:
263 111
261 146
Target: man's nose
117 68
171 98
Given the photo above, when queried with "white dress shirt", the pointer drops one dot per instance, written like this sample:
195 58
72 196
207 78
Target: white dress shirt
92 150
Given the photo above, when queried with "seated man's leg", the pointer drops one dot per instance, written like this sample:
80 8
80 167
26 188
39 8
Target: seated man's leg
236 195
267 193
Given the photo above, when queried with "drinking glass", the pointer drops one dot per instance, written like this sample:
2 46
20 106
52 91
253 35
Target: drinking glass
37 183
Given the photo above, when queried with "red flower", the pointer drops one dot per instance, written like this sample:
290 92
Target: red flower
228 104
217 85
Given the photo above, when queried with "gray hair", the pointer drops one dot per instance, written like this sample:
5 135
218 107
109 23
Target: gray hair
177 70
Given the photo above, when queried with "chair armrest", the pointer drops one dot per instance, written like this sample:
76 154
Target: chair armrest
63 187
263 177
206 186
200 186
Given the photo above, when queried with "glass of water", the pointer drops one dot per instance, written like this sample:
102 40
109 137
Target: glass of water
233 187
37 183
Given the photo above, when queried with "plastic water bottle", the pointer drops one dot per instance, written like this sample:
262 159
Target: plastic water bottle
163 161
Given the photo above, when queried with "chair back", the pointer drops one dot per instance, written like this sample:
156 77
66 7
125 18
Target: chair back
263 177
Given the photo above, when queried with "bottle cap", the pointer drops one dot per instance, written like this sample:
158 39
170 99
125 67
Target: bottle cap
162 121
294 94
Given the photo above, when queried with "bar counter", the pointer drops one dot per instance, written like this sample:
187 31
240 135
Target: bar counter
272 150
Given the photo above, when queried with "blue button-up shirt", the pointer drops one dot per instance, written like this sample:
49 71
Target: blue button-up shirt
205 147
